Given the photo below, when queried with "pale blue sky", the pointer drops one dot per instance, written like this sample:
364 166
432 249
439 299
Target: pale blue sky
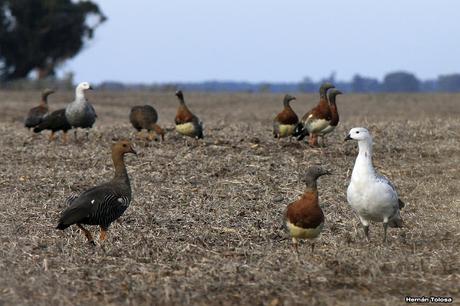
269 40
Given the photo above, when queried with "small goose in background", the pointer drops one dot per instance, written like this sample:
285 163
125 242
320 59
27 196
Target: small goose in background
146 117
304 217
334 113
317 119
186 122
36 114
56 121
103 204
286 121
80 113
372 196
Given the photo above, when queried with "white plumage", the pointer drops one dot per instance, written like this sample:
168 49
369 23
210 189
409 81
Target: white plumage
372 196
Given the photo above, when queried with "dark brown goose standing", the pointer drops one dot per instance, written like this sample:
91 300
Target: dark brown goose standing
36 114
317 118
56 121
186 122
103 204
304 217
146 117
286 121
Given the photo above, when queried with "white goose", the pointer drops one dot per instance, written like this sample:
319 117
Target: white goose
372 196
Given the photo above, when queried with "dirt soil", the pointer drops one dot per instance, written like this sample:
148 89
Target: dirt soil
205 226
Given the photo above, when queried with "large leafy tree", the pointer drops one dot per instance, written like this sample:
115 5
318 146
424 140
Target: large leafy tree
401 82
41 34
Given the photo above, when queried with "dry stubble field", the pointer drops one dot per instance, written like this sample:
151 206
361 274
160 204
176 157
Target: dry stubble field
205 226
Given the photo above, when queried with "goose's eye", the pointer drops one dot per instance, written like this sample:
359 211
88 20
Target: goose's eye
357 132
124 146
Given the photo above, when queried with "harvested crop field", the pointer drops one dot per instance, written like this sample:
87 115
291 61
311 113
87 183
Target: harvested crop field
205 226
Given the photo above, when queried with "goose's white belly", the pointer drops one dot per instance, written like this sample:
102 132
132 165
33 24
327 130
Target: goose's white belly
305 233
373 201
186 128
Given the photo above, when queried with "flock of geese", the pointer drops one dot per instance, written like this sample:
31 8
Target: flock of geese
372 196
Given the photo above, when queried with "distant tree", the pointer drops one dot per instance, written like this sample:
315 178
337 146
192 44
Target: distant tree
428 85
41 34
449 83
364 84
401 82
264 87
307 85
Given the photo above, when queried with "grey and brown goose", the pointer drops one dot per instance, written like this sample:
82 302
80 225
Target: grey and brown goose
317 119
286 121
304 218
36 114
145 117
186 122
80 113
334 112
103 204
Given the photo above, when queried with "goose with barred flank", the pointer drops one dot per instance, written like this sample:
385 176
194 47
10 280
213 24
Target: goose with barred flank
36 114
103 204
145 117
304 217
371 195
186 122
317 119
286 121
80 113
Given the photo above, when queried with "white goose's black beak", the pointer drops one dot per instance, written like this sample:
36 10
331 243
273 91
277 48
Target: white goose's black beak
348 138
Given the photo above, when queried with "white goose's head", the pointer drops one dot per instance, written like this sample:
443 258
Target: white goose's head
84 86
359 133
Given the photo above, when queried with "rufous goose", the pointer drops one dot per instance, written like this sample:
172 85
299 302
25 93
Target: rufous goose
304 217
334 112
318 118
286 121
186 122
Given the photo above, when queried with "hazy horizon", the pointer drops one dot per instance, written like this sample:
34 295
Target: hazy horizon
268 41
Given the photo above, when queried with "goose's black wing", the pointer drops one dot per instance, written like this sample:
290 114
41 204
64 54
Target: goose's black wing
100 205
56 121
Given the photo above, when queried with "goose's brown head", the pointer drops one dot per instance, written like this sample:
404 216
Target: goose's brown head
122 147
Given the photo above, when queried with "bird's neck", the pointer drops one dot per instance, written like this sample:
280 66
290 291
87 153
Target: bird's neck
323 102
311 193
334 112
120 168
363 164
311 187
286 103
44 100
80 95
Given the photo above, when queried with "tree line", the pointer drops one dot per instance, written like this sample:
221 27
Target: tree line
396 82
